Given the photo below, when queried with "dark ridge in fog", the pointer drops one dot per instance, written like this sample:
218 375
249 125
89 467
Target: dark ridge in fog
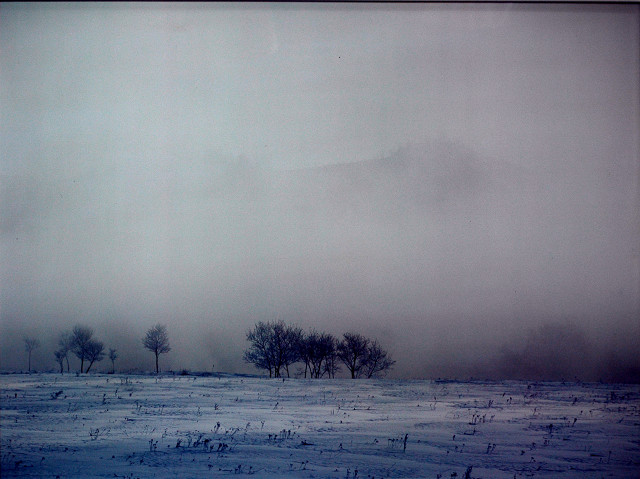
462 266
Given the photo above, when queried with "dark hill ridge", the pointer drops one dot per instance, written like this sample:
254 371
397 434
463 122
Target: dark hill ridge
441 195
409 185
418 172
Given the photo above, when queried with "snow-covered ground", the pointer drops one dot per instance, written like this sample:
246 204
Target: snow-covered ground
194 426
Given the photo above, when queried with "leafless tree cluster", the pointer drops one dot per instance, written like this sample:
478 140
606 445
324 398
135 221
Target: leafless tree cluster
81 343
318 353
275 346
362 356
85 347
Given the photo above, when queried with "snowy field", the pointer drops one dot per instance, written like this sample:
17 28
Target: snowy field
191 427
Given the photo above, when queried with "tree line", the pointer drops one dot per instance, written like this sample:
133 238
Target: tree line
275 346
81 343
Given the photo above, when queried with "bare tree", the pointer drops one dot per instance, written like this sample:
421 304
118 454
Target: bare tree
329 351
363 356
157 341
60 355
352 351
307 351
331 364
65 343
286 341
377 361
113 356
80 339
317 351
274 346
94 352
29 345
260 353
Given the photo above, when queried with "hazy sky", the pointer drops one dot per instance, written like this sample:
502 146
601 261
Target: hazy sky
460 181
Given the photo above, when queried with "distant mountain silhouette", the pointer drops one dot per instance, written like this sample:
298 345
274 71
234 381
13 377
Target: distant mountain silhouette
411 180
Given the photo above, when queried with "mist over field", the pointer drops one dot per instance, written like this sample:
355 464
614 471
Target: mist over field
461 182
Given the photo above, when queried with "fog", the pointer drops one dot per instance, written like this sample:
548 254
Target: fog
461 182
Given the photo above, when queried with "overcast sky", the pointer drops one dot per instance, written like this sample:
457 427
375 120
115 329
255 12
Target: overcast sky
460 181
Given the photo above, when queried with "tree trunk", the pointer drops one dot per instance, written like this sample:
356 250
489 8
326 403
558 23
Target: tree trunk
90 364
354 365
157 363
67 363
81 365
29 361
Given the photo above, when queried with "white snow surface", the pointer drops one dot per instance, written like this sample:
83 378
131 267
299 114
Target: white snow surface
139 426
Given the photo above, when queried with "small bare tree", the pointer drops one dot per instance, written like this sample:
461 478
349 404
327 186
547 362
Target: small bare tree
378 360
80 340
157 341
363 356
331 365
352 351
29 345
65 342
287 340
60 355
261 353
94 352
317 351
113 356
